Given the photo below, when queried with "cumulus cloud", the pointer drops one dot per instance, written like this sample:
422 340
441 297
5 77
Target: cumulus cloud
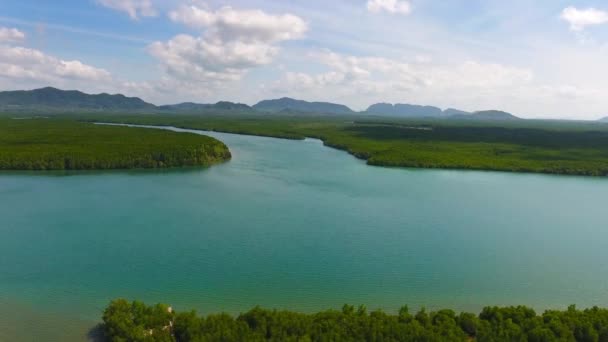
390 6
579 19
231 43
299 81
371 79
23 64
134 8
472 74
244 25
11 35
199 59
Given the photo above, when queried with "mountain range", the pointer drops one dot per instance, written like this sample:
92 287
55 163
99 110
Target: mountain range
69 99
52 99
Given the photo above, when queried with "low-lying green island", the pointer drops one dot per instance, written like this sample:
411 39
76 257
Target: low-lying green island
60 144
125 321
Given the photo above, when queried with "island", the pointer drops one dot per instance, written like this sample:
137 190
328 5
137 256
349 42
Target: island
40 143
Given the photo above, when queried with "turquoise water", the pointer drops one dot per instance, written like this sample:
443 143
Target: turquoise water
293 224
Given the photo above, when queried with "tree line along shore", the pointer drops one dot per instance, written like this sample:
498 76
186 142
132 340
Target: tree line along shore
59 144
134 321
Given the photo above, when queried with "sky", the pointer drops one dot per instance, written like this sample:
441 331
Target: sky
536 59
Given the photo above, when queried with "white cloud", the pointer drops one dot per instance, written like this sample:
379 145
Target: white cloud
365 80
244 25
390 6
579 19
134 8
299 81
475 75
568 93
11 35
198 59
233 42
23 64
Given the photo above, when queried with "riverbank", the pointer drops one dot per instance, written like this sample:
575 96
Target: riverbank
549 148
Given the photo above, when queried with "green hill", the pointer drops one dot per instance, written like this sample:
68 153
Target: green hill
453 111
53 98
486 115
404 110
190 107
292 105
493 115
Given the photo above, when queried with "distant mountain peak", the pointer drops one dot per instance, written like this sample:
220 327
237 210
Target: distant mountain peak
50 98
489 115
454 111
404 110
418 111
47 89
290 104
192 107
54 98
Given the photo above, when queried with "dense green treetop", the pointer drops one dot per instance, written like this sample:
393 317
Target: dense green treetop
56 144
124 321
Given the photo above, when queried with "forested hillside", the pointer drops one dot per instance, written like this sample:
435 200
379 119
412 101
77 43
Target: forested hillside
292 105
48 98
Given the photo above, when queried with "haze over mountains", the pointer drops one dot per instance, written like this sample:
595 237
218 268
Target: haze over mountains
52 99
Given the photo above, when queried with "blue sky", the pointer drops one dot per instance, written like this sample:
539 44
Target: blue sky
534 58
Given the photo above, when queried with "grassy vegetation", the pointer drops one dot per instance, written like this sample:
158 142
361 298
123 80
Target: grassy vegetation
62 144
574 148
124 321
